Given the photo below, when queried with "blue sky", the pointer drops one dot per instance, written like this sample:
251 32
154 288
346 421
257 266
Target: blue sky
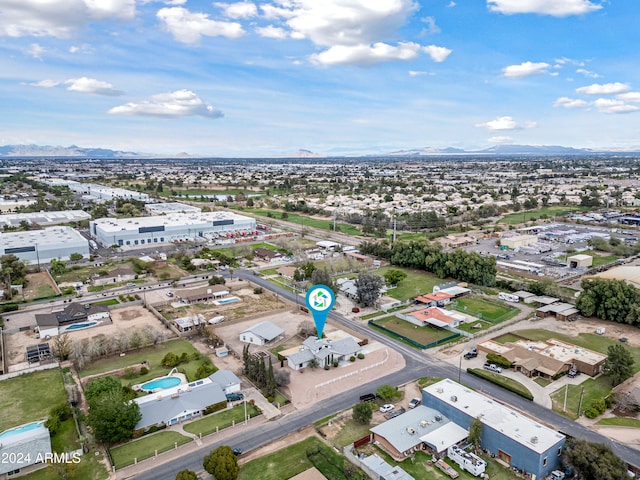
268 78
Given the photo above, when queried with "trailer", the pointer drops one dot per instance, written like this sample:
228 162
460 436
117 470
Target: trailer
467 461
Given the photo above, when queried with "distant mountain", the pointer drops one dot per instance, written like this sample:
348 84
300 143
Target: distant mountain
59 151
418 152
306 154
535 150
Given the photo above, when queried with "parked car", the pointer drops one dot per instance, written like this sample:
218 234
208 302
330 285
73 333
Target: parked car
355 309
573 373
473 353
236 451
169 294
492 367
414 402
387 407
131 284
367 397
233 397
623 339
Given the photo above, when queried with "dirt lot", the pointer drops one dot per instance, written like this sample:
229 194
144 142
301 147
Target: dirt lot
127 318
39 285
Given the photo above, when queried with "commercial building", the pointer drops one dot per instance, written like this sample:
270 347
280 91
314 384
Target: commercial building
41 246
514 438
175 227
93 191
518 241
44 218
580 261
170 207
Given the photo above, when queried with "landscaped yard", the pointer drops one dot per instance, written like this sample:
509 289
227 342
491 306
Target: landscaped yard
418 282
422 335
145 447
294 459
220 420
152 355
39 285
29 397
488 310
502 381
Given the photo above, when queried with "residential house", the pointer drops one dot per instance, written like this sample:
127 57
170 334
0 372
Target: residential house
71 318
287 272
227 380
377 468
435 316
436 299
203 294
325 351
261 333
268 255
117 275
23 446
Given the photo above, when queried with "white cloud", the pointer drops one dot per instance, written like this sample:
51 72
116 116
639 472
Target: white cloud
525 69
365 54
166 2
45 84
431 28
271 12
499 123
272 32
91 85
632 97
181 103
189 27
567 102
500 139
416 73
238 10
587 73
609 105
36 50
58 18
437 54
555 8
604 89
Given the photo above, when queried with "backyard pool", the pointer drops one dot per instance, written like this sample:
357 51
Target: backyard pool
161 383
80 326
224 301
20 429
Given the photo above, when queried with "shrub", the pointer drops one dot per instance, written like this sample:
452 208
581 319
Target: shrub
137 433
144 370
361 355
326 367
258 290
352 358
216 407
170 360
498 360
129 372
336 363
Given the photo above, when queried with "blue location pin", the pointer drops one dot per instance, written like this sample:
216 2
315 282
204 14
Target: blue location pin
320 300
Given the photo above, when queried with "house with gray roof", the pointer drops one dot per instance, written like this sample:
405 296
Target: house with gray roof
23 446
376 467
179 404
324 350
261 333
227 380
56 323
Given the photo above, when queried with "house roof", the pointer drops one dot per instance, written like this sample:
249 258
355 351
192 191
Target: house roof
224 378
445 436
161 407
287 271
266 253
436 316
383 469
265 330
313 347
434 297
74 312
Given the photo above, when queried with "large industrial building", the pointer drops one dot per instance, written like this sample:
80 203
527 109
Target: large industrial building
41 246
93 191
178 227
44 218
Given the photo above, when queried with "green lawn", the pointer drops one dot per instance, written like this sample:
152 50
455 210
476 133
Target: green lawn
88 468
44 291
153 355
521 217
66 438
502 381
485 309
145 447
594 389
422 335
603 259
111 301
294 459
220 420
29 397
620 422
418 282
350 432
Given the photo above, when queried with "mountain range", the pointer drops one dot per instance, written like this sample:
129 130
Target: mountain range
73 151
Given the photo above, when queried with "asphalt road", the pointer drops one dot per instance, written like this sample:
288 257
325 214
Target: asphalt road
418 364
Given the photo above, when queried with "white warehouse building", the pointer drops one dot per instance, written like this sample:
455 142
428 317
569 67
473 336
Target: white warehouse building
177 227
41 246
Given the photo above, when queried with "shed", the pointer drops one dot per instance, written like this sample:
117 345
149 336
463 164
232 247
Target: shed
580 261
261 333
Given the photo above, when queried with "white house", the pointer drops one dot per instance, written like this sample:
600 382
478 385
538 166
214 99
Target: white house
227 380
23 446
261 333
325 351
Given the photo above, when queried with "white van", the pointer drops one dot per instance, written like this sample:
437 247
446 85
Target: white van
215 320
600 330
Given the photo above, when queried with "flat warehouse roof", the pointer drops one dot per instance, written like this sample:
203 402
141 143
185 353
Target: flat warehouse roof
42 238
497 416
113 225
45 218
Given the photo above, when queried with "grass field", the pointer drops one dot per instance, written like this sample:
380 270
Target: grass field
502 381
145 447
66 438
603 259
152 355
292 460
29 397
489 310
549 212
418 282
88 468
594 389
423 335
350 432
221 420
620 422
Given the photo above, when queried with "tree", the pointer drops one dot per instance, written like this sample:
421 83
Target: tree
313 363
283 377
62 346
368 288
362 412
57 267
388 393
475 433
13 270
394 276
270 387
112 417
101 386
619 364
322 277
306 328
186 475
594 460
170 360
222 463
74 257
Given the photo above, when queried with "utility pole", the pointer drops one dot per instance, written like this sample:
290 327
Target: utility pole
395 224
335 217
580 404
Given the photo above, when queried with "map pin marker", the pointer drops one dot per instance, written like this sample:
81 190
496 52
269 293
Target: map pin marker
320 300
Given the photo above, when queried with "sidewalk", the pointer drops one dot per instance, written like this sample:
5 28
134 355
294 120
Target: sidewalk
171 455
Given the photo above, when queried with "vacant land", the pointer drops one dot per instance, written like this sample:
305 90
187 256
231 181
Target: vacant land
146 447
418 282
422 335
29 397
594 389
544 212
485 309
39 285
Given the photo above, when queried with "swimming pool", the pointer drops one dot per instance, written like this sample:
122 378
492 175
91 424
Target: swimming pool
224 301
161 383
20 429
80 326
